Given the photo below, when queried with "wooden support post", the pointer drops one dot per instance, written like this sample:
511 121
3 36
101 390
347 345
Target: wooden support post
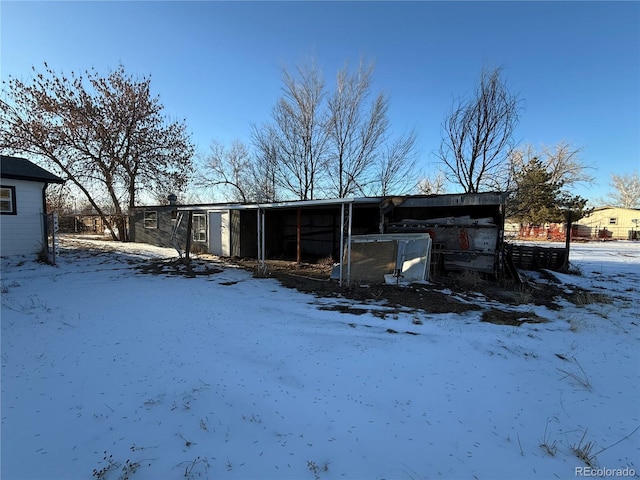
567 241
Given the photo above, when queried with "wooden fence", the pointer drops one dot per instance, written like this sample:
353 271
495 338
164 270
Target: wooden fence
533 257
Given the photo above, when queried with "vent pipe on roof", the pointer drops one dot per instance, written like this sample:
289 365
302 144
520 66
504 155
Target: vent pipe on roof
172 199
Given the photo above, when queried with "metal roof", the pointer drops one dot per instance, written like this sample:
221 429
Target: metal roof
446 200
282 205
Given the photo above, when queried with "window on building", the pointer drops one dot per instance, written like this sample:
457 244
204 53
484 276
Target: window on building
199 227
8 200
150 219
613 221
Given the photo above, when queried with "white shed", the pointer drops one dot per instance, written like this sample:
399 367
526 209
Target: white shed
23 186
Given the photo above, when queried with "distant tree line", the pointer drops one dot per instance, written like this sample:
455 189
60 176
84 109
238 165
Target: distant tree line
109 138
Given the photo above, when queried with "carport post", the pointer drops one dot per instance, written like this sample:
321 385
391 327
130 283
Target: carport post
188 246
263 236
349 244
341 241
299 236
260 226
259 243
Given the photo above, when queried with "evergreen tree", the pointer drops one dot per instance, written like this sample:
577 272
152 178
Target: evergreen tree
539 199
534 200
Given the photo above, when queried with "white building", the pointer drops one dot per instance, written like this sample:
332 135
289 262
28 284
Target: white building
22 206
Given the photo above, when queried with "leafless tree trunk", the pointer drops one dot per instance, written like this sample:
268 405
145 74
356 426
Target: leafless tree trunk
478 135
355 135
625 190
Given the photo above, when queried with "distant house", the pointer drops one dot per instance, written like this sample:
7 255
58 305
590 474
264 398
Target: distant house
608 222
23 219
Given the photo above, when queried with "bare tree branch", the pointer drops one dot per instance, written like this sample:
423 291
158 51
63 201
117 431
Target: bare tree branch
434 185
478 134
228 167
106 135
355 135
396 169
625 190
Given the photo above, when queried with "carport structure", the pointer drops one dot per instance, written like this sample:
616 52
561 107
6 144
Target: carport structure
466 229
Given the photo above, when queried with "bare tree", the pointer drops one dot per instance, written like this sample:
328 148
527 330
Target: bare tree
434 185
297 134
334 144
106 135
264 169
228 167
565 165
397 166
625 190
562 162
355 131
478 135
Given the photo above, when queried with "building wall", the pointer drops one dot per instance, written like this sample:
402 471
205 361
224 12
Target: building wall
161 233
610 222
23 233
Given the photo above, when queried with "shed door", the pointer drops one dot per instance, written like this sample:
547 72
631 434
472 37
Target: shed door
219 233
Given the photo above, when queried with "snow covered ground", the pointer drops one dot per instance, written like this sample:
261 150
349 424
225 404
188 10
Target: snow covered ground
111 372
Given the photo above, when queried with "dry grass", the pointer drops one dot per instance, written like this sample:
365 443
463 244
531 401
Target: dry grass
261 270
470 279
550 448
577 324
584 298
584 451
579 376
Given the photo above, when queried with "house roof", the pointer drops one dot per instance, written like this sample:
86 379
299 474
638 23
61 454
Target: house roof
612 207
22 169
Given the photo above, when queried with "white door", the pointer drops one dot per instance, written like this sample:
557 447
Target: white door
219 233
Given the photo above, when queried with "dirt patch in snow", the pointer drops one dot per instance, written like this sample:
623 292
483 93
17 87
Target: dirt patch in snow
191 269
504 317
452 293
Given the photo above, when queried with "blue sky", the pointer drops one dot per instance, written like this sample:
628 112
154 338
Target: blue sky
575 65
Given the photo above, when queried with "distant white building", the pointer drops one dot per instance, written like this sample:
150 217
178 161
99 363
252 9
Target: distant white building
23 217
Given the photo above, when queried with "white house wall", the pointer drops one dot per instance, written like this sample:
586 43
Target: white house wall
23 233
